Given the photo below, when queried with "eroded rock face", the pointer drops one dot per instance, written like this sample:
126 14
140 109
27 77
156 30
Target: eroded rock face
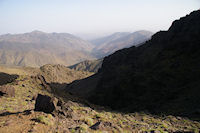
45 103
7 90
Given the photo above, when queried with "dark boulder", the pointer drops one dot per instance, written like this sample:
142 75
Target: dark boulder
51 105
7 78
7 90
97 126
46 103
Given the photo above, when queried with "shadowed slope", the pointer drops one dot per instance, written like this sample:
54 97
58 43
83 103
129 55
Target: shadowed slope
161 76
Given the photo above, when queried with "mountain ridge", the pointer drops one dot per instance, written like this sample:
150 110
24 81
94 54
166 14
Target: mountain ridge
109 44
160 76
38 48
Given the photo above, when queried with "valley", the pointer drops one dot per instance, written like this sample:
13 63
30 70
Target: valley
125 82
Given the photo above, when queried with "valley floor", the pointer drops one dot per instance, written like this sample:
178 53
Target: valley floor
17 113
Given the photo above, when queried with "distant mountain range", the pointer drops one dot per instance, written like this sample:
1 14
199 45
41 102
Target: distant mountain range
109 44
39 48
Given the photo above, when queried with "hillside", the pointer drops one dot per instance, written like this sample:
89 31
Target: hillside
70 114
88 65
160 76
58 76
109 44
38 48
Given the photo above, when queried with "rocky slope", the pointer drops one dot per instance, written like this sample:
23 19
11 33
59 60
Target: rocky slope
109 44
88 65
38 48
160 76
66 113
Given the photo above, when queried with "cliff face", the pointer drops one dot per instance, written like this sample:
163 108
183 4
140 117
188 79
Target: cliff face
160 75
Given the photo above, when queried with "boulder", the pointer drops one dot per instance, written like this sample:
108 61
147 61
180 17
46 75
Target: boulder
7 90
51 105
46 103
97 126
7 78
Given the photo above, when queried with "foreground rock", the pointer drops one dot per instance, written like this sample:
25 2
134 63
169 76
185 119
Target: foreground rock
49 104
7 90
45 103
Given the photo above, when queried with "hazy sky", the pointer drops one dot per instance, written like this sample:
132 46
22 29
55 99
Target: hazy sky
90 18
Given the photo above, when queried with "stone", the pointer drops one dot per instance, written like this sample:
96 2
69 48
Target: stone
45 103
96 126
7 90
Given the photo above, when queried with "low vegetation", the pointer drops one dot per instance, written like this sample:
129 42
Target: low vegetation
17 115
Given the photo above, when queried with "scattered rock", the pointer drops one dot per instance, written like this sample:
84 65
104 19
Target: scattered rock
107 124
154 131
16 82
32 131
7 90
34 97
26 100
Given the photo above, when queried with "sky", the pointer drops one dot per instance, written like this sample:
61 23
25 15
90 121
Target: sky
91 18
